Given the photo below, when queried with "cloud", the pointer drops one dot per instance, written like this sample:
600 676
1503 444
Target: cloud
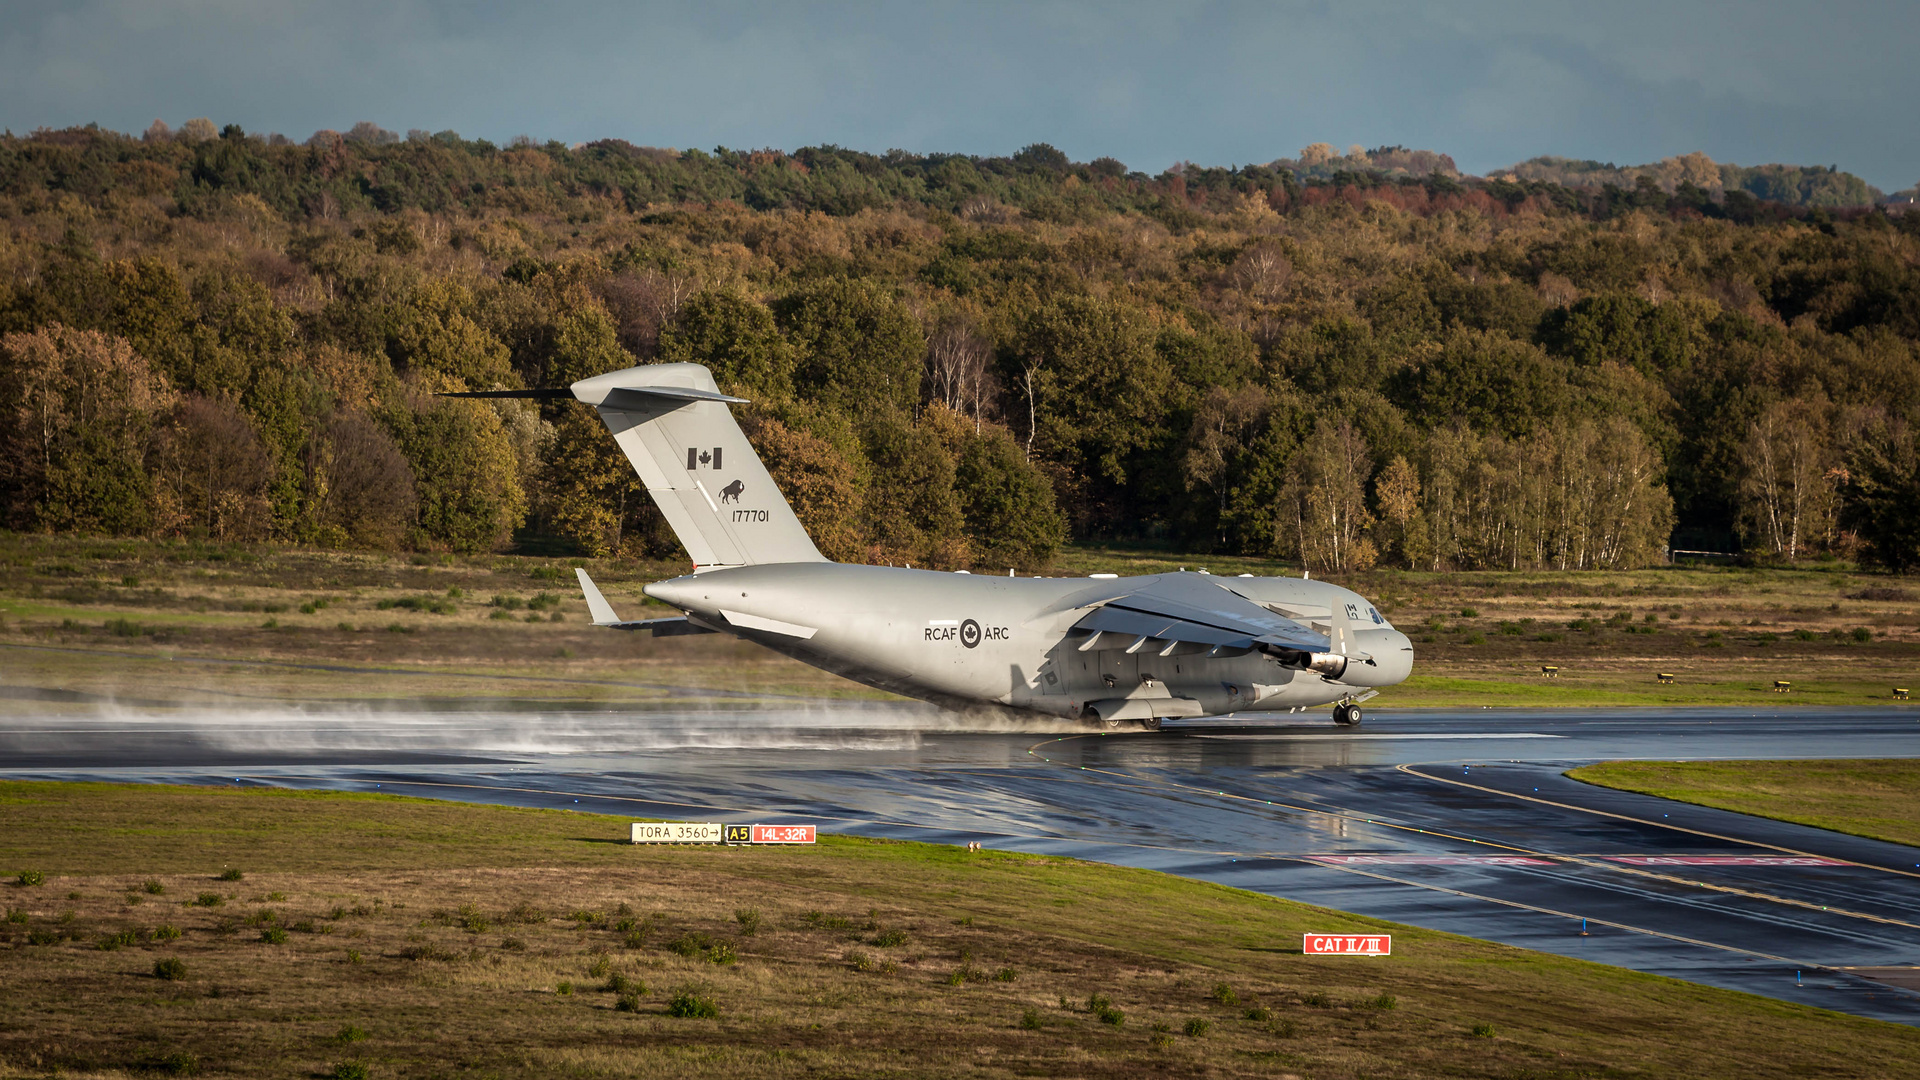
1489 81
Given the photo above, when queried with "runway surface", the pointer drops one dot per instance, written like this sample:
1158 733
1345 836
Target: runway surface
1457 821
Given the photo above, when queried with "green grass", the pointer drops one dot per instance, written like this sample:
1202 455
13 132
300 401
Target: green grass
1877 798
1109 961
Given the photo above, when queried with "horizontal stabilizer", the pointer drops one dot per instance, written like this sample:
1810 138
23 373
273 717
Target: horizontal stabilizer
603 614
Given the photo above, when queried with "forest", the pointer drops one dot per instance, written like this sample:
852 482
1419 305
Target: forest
1342 360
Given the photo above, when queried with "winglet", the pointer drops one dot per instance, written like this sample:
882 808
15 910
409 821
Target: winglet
596 604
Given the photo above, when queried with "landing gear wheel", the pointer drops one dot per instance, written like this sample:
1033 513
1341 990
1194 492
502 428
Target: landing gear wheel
1346 715
1151 723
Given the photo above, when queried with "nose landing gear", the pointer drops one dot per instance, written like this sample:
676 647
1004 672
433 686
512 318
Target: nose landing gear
1346 714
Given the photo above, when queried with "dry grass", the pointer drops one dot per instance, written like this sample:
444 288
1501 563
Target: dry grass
1873 798
466 922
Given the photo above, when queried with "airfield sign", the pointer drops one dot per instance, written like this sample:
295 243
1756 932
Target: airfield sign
677 832
1347 945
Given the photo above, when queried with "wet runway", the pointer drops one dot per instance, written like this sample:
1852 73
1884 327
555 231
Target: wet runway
1458 821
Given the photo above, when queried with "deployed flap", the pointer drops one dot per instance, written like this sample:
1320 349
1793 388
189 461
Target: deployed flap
1192 609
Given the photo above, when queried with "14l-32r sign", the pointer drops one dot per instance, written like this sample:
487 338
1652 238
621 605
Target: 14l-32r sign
1347 945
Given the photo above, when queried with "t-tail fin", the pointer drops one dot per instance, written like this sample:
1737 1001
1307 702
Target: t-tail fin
672 422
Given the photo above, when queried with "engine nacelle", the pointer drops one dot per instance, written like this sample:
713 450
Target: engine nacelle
1331 665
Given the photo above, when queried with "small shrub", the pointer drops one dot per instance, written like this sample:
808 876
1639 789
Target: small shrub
29 878
966 973
636 939
1259 1014
543 602
1224 995
600 966
1380 1003
1511 629
16 916
564 989
526 914
270 624
1316 1001
153 888
209 899
353 956
177 1063
1862 635
628 1002
1113 1016
42 937
689 1005
166 932
1483 1031
1474 639
1198 1027
1286 1029
349 1070
1005 974
125 939
690 945
171 969
1469 613
1030 1020
891 939
513 944
349 1033
426 951
860 961
274 936
722 953
232 873
749 920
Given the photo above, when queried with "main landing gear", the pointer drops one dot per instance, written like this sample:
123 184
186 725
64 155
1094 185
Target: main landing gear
1346 714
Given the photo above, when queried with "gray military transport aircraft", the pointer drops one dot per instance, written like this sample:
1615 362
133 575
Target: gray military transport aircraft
1107 650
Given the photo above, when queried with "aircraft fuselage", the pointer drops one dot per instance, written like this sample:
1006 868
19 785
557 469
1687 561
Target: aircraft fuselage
960 639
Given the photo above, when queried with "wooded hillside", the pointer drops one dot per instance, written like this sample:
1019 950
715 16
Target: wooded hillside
954 361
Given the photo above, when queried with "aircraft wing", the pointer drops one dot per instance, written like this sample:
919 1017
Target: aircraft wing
1182 614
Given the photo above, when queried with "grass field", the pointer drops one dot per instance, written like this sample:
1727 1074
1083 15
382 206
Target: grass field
347 935
140 620
1874 798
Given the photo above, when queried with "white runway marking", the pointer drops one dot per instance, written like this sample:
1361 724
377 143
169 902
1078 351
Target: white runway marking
1383 735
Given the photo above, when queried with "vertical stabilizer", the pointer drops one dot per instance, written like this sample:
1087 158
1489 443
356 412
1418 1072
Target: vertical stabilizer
673 423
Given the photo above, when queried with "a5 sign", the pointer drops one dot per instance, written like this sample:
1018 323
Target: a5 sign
1347 945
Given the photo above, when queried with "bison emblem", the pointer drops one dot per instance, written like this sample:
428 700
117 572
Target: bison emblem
732 492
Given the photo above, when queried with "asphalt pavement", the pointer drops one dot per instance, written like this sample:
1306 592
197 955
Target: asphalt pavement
1455 820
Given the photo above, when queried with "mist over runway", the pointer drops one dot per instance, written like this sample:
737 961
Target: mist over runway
1457 821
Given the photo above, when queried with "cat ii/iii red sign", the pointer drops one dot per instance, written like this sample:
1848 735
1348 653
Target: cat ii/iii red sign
1347 945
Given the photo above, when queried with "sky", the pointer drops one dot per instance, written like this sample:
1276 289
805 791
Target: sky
1491 82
